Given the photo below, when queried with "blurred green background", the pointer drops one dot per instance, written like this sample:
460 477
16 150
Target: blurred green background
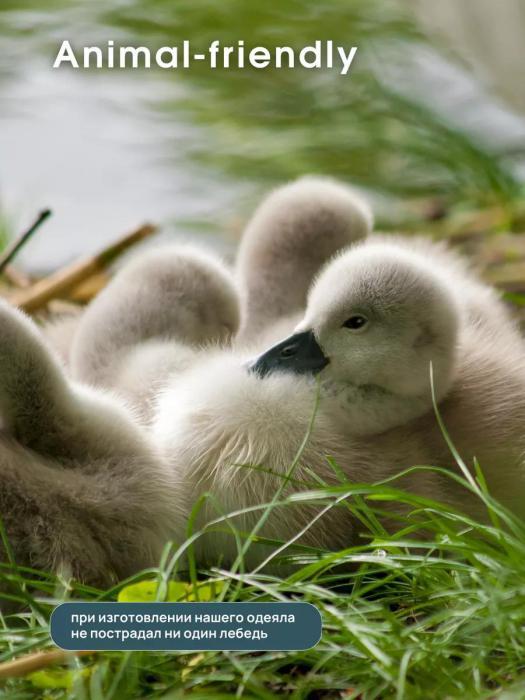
421 122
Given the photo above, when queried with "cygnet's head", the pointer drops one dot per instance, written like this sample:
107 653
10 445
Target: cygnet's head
377 317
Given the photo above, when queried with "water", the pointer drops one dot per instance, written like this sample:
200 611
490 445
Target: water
92 146
86 149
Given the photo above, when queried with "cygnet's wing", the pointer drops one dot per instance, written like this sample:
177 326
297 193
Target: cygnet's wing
295 230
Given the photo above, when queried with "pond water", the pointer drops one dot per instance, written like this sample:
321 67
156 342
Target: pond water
94 146
87 149
190 151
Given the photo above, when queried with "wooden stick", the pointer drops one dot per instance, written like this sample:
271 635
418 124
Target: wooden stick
17 278
11 250
89 288
34 662
60 282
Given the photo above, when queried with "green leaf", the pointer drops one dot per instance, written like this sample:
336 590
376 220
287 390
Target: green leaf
57 678
205 591
147 592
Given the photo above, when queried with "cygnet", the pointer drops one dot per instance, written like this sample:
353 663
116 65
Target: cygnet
378 318
83 489
148 323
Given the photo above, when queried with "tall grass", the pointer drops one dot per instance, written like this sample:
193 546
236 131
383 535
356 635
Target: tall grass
366 127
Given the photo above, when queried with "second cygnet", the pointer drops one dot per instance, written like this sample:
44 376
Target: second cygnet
378 318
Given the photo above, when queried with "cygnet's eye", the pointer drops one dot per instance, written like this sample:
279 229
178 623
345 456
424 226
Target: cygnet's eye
289 351
355 322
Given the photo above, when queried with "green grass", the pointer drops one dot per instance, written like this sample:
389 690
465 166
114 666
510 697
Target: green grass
436 610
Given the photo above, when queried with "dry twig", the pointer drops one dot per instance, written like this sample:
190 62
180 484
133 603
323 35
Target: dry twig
37 661
62 281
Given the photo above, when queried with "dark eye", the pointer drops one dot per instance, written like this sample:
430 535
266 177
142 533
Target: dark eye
355 322
288 351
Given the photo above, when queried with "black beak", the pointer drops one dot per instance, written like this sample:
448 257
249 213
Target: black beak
300 353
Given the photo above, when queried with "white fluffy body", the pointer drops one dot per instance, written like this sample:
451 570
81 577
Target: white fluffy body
228 434
375 415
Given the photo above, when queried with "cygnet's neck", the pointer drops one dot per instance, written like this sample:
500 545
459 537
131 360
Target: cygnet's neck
370 409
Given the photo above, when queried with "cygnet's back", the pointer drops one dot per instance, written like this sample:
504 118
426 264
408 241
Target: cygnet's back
483 303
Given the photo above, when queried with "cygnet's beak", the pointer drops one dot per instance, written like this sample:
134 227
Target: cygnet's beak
300 353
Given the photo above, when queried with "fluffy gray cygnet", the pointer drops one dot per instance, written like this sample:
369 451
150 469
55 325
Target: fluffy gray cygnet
377 318
83 489
150 321
382 312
